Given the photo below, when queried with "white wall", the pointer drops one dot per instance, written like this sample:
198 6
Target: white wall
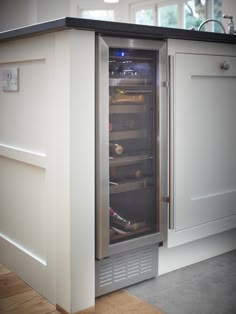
52 9
229 7
15 14
18 13
121 9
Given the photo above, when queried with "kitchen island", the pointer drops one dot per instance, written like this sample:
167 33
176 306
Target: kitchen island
47 151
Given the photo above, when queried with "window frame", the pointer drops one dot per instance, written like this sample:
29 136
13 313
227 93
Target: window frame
155 4
164 3
96 7
91 10
135 7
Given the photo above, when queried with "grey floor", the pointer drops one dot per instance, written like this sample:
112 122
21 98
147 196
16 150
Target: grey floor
208 287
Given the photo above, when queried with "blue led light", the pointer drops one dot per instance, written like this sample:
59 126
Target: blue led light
120 53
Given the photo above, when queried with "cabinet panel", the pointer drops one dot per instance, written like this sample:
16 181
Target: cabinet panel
204 139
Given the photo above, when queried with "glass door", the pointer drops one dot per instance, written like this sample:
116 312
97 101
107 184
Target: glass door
133 164
130 149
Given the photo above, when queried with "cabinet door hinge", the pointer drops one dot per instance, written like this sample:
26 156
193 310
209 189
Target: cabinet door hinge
165 84
165 199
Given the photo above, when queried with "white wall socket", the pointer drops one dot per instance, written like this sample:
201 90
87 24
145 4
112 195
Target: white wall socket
10 79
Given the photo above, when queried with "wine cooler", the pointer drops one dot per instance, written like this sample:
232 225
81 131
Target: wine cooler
131 160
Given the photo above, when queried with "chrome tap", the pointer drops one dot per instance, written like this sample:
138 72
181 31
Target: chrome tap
231 29
211 20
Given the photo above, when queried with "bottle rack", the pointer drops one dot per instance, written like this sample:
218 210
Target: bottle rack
129 160
116 109
125 135
116 234
130 185
135 82
131 94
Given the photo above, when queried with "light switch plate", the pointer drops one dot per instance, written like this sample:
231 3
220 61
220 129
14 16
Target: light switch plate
10 79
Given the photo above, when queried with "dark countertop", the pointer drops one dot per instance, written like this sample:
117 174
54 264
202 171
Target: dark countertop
115 29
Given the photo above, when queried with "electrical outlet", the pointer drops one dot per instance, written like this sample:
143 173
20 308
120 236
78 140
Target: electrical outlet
10 81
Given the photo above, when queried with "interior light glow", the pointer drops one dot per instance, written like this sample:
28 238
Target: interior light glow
120 53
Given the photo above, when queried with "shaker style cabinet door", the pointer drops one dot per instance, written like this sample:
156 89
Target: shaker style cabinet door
204 143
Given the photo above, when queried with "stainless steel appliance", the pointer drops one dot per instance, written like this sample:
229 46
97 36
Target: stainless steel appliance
131 160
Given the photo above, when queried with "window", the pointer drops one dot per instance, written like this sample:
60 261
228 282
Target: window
161 13
194 13
167 15
145 17
105 15
186 14
217 14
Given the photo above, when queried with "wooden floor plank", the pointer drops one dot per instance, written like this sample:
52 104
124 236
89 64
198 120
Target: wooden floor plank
10 285
29 302
123 302
16 297
3 270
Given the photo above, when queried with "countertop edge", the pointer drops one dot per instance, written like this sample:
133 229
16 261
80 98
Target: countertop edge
115 29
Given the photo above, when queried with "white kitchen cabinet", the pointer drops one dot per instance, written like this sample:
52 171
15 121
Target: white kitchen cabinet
203 143
47 165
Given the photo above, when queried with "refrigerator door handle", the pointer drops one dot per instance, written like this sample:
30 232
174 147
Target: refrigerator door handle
171 143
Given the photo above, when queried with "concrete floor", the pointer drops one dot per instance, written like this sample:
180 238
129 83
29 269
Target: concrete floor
208 287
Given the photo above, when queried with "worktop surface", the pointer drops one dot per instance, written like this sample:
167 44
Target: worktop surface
116 29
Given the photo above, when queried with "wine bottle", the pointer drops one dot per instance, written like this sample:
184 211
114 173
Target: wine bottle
130 172
116 216
124 98
118 125
119 222
115 149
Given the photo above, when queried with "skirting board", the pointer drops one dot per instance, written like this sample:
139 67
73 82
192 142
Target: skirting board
85 311
193 252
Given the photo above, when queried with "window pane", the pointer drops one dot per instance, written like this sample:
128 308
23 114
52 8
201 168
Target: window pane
194 13
217 14
105 15
144 17
167 16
